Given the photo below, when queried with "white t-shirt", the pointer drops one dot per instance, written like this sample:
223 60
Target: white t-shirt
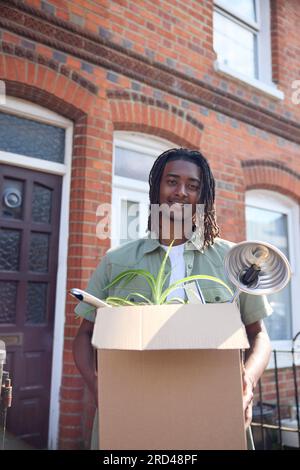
178 269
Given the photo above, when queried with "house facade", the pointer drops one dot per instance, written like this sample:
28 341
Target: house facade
90 93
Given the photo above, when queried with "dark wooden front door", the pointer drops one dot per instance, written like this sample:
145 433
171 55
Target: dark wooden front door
29 230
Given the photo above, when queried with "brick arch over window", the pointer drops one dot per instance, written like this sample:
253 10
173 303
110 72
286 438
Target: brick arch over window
265 174
145 116
46 82
39 84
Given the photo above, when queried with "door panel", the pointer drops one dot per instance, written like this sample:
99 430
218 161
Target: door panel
29 230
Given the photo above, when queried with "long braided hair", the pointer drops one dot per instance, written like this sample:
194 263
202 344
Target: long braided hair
207 196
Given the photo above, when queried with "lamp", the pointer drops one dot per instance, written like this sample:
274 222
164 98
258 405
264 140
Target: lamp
257 268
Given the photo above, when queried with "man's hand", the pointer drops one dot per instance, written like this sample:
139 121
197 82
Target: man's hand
248 387
84 356
257 358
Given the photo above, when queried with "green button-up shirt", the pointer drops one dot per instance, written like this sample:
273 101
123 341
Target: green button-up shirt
147 253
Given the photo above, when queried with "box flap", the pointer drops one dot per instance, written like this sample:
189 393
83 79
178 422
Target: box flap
157 327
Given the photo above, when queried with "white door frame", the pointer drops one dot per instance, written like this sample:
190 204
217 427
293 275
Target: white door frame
30 110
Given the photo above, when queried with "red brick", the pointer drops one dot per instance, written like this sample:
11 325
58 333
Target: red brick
11 68
70 444
21 70
72 394
50 80
71 406
60 86
70 91
11 38
72 381
70 432
31 73
41 73
70 419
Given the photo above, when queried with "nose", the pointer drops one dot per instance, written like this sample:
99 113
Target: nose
181 190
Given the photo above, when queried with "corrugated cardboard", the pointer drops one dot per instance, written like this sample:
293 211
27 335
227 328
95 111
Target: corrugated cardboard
169 377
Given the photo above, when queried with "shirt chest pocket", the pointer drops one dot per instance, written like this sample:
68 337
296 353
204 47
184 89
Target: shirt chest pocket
217 295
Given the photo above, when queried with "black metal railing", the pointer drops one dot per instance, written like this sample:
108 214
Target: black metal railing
270 429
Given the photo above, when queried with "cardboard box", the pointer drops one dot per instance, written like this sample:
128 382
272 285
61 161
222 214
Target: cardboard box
169 377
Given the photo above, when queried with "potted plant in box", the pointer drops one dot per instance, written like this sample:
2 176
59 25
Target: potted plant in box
159 295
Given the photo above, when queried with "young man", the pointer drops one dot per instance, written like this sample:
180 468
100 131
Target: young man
179 178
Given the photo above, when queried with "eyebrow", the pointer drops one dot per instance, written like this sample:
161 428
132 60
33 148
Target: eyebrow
178 176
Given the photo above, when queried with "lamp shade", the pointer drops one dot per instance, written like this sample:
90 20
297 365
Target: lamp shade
257 267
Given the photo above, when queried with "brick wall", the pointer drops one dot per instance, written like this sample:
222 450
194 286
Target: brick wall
279 392
178 34
147 66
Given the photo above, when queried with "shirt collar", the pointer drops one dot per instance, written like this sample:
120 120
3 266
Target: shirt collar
150 244
194 243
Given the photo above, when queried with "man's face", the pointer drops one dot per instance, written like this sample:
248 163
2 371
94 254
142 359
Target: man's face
180 185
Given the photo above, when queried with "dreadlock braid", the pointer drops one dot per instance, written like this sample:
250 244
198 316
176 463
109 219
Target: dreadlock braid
207 197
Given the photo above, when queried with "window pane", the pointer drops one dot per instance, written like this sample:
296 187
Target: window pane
131 164
41 204
31 138
271 227
36 302
8 298
9 249
38 252
244 8
235 45
130 214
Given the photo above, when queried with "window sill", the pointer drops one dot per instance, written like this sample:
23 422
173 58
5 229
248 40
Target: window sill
268 89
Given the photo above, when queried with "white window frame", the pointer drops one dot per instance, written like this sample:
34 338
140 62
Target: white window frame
264 55
24 109
131 188
125 194
265 199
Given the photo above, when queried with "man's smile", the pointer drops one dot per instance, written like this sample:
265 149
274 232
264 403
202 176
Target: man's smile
177 203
